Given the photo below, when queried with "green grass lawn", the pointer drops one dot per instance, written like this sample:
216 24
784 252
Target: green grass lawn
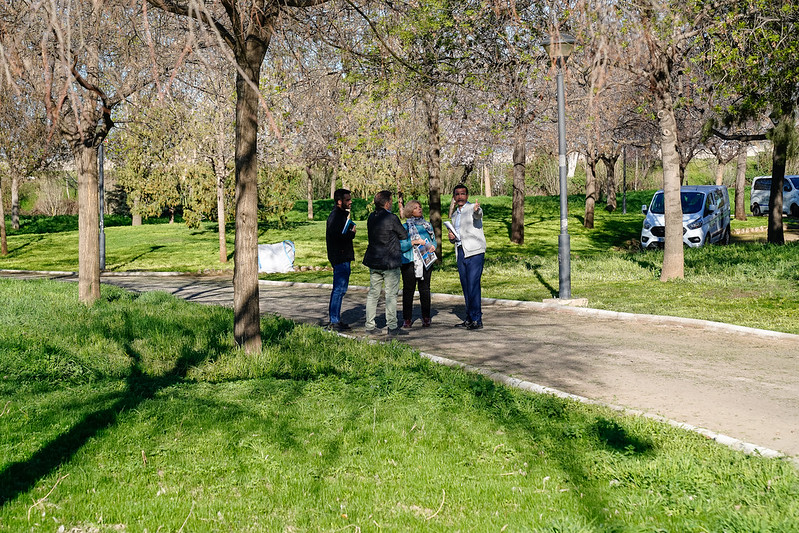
747 283
139 414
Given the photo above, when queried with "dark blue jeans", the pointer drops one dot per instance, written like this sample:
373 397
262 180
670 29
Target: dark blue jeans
341 281
470 270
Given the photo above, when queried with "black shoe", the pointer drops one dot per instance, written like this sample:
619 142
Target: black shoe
475 325
465 324
340 326
374 331
397 331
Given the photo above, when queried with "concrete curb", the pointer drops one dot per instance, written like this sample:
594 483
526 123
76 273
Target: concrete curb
724 440
730 442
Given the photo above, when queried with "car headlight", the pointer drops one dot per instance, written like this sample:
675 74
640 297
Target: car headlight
647 225
696 224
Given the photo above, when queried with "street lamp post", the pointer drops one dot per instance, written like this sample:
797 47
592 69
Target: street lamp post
559 47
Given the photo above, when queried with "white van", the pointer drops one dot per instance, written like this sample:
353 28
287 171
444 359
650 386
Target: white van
761 192
705 217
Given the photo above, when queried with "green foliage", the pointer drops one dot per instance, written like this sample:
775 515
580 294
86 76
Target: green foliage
199 199
276 188
752 53
148 171
140 414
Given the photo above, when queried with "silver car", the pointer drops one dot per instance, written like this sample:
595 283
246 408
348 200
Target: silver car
705 217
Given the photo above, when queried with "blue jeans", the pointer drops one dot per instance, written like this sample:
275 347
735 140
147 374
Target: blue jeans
341 281
470 270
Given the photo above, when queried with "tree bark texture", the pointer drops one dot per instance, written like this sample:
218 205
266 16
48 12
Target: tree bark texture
487 182
3 239
246 306
88 223
740 184
720 166
610 178
309 174
590 191
517 202
433 164
781 139
673 258
15 202
220 215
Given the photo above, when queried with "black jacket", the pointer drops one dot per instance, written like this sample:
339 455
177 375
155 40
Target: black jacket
339 246
385 233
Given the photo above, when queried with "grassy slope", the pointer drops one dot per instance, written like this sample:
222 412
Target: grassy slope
139 414
749 283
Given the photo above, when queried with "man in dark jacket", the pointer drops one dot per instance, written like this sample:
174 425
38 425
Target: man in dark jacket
339 235
384 259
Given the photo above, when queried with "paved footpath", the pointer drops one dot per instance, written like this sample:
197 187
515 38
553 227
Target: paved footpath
738 385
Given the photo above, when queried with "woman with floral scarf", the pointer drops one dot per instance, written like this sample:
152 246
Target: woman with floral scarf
415 270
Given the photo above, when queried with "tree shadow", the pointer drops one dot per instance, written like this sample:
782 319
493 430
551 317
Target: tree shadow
552 291
18 249
133 259
20 477
545 418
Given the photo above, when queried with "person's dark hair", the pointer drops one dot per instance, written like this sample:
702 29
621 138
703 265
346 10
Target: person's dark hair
382 198
460 186
339 195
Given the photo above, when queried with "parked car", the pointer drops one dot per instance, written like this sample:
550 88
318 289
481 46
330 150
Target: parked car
761 192
705 217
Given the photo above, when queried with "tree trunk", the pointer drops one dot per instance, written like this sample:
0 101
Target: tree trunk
590 191
673 258
333 174
3 240
517 203
88 223
781 139
487 182
610 172
720 166
15 202
220 214
740 184
246 305
434 164
309 191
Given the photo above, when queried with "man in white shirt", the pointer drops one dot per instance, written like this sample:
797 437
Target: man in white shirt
470 247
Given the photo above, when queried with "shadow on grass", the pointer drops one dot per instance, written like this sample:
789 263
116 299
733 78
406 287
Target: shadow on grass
133 259
62 223
615 232
573 434
12 252
20 477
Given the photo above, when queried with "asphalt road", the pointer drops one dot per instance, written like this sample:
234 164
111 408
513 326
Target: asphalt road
735 382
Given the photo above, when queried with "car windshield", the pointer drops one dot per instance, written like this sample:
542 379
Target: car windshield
692 202
795 181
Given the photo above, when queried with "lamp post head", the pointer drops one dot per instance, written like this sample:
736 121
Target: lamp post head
559 46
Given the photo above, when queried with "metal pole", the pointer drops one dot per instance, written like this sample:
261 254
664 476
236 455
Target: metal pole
564 246
624 180
100 164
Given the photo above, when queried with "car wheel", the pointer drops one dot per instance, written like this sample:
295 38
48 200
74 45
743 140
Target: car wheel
725 239
756 210
795 211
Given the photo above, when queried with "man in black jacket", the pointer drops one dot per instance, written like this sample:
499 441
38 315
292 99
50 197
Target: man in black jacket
339 235
384 258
